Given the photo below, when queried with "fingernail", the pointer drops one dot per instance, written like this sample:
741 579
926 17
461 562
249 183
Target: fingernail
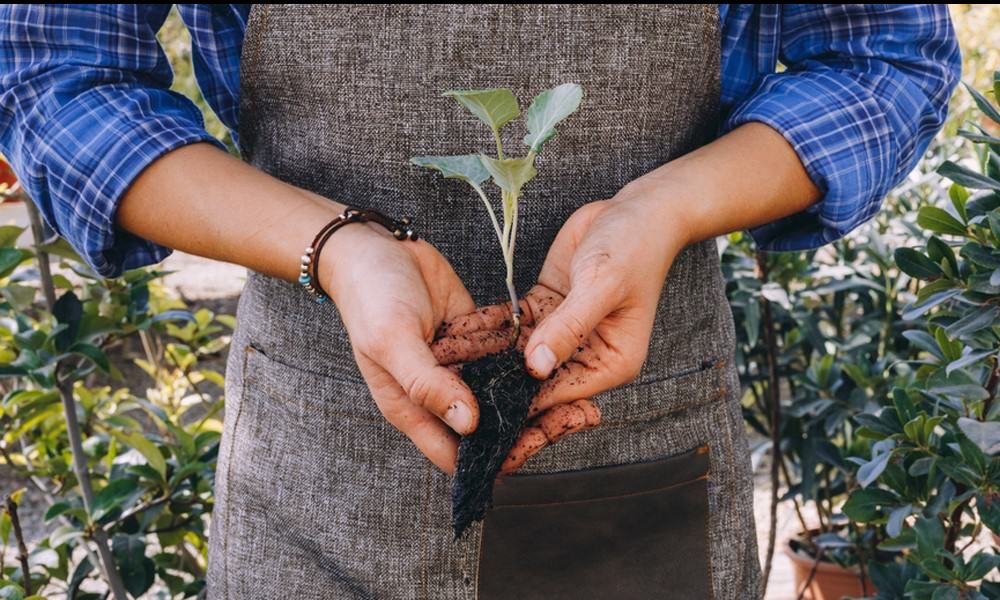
459 417
542 360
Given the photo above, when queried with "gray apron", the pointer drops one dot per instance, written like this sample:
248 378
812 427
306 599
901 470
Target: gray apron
317 495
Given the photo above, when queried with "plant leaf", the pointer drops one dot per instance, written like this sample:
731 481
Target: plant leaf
467 167
915 264
983 103
510 174
494 106
547 110
986 435
967 177
148 449
939 221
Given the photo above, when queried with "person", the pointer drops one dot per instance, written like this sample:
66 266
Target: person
343 419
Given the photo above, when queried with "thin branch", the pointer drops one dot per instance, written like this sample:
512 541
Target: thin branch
22 549
775 400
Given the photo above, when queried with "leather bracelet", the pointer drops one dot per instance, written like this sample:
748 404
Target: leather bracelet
309 270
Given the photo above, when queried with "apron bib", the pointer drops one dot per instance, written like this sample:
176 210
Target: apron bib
317 495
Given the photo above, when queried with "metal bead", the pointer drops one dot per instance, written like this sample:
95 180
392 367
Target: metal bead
306 259
309 250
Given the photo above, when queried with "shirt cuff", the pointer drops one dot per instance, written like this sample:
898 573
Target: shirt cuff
99 162
842 137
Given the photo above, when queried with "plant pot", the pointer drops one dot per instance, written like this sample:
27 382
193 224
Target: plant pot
830 582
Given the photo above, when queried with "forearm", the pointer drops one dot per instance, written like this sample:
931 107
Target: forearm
200 200
748 177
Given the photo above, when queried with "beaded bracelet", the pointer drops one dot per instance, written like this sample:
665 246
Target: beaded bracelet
308 276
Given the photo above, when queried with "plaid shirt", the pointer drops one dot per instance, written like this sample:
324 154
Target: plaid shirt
85 104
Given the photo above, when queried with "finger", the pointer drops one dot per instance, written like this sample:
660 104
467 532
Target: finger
572 380
549 428
431 436
557 336
427 384
535 305
531 440
467 347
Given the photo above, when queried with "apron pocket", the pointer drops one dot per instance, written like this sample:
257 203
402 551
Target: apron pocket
627 531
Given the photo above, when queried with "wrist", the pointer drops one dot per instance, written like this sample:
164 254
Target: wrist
342 248
667 207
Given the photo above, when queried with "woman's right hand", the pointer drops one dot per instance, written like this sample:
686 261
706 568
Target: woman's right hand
392 295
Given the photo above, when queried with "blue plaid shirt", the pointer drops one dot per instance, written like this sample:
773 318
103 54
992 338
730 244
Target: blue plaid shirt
85 104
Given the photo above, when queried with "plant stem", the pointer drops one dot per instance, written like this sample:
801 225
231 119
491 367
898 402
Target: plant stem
496 136
107 564
493 218
44 268
775 401
22 549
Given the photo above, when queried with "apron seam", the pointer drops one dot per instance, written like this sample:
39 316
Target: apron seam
229 469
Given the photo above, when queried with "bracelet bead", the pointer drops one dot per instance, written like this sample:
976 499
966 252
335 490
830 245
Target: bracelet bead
401 230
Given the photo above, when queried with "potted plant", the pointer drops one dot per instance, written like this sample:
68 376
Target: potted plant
816 344
499 381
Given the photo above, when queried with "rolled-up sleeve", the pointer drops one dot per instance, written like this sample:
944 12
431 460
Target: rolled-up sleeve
865 89
84 108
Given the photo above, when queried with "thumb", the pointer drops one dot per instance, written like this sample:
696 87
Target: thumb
557 336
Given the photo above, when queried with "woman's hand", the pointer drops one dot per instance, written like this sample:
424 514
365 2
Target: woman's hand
392 296
593 307
485 331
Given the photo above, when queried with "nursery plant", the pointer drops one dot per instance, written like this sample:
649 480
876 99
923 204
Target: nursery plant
123 476
502 386
933 475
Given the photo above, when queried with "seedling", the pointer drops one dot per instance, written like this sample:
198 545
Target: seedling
496 107
502 386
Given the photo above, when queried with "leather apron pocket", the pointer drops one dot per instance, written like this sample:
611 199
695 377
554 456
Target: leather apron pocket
627 531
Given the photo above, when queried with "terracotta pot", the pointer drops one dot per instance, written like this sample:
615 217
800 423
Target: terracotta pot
831 582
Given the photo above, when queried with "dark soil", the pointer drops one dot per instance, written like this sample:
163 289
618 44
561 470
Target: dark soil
504 390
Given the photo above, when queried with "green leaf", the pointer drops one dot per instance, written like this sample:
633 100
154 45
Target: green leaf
5 526
64 535
93 353
915 264
10 258
510 174
881 453
979 318
494 106
112 495
980 255
547 110
966 177
959 196
969 357
979 566
55 510
137 570
981 282
930 536
865 505
9 235
942 254
148 449
67 310
946 592
983 103
468 167
985 435
939 221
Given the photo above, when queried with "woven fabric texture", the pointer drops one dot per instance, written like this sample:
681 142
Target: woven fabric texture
318 496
